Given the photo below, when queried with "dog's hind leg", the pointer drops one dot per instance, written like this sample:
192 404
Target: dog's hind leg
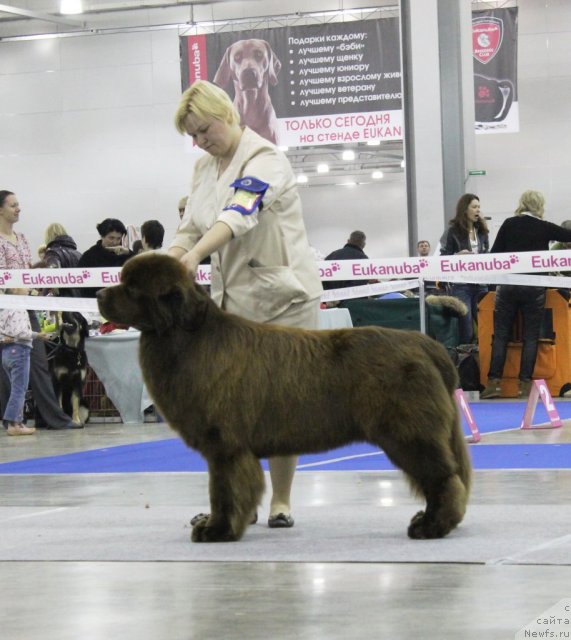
433 472
236 489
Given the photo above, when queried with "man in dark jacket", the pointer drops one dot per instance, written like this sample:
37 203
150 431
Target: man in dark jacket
353 250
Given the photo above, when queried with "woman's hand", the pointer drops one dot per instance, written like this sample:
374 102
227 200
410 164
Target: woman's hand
191 261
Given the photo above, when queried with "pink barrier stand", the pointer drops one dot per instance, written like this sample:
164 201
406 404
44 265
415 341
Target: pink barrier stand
465 409
539 389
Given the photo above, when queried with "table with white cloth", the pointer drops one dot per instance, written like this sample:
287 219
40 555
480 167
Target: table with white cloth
115 359
335 319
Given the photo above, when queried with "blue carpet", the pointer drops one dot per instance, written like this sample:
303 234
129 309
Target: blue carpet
172 455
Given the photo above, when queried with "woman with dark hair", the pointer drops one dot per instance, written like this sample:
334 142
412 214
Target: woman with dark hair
15 254
468 233
106 252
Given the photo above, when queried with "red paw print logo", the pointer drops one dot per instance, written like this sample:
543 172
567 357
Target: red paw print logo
514 259
483 92
335 266
423 263
85 275
7 276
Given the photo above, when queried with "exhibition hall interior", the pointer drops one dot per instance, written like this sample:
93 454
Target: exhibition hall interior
373 199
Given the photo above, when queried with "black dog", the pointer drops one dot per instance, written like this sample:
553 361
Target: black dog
68 363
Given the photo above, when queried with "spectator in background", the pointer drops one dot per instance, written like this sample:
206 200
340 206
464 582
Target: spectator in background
61 250
137 247
524 231
423 248
15 254
152 234
352 250
430 286
106 252
16 339
61 253
467 233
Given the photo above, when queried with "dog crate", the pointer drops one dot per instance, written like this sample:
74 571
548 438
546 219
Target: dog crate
101 409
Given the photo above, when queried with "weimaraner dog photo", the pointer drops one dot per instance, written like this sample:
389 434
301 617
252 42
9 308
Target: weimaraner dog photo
252 66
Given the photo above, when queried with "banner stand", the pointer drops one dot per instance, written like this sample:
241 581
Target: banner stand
539 389
464 407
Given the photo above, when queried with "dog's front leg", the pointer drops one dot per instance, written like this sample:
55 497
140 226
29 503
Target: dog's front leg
236 487
75 408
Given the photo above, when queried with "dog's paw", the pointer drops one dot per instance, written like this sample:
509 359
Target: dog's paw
202 532
423 528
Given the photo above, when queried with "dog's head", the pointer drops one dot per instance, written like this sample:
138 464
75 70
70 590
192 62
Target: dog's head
73 329
249 64
156 294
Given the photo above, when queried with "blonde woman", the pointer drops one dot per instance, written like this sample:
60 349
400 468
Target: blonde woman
524 231
61 250
244 210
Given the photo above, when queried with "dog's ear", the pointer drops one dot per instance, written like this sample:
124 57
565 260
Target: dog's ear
183 305
190 304
83 325
224 72
274 66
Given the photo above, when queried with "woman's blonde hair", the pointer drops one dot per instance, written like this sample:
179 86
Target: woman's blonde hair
531 202
54 230
205 100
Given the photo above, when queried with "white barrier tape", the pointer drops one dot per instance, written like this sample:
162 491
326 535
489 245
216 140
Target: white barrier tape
501 268
445 267
49 303
367 290
442 268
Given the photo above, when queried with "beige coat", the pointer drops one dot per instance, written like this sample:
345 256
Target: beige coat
268 265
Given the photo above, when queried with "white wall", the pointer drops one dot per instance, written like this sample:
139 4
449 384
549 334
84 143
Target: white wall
87 131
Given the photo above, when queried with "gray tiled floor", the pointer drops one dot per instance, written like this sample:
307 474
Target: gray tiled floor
156 601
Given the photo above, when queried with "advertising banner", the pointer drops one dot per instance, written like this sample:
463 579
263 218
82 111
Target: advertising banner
307 85
494 40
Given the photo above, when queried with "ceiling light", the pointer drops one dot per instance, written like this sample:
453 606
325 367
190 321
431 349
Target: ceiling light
373 143
402 164
302 178
377 175
70 7
351 183
322 168
348 154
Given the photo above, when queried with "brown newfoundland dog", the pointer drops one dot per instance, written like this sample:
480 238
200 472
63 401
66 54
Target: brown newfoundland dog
237 391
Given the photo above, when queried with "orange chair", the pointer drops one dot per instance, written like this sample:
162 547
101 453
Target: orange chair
554 354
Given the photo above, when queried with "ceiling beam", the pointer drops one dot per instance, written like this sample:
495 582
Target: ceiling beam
46 17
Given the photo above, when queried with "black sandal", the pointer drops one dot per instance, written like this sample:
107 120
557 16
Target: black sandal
281 521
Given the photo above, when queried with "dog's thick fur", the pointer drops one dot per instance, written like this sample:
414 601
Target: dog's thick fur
68 363
237 391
